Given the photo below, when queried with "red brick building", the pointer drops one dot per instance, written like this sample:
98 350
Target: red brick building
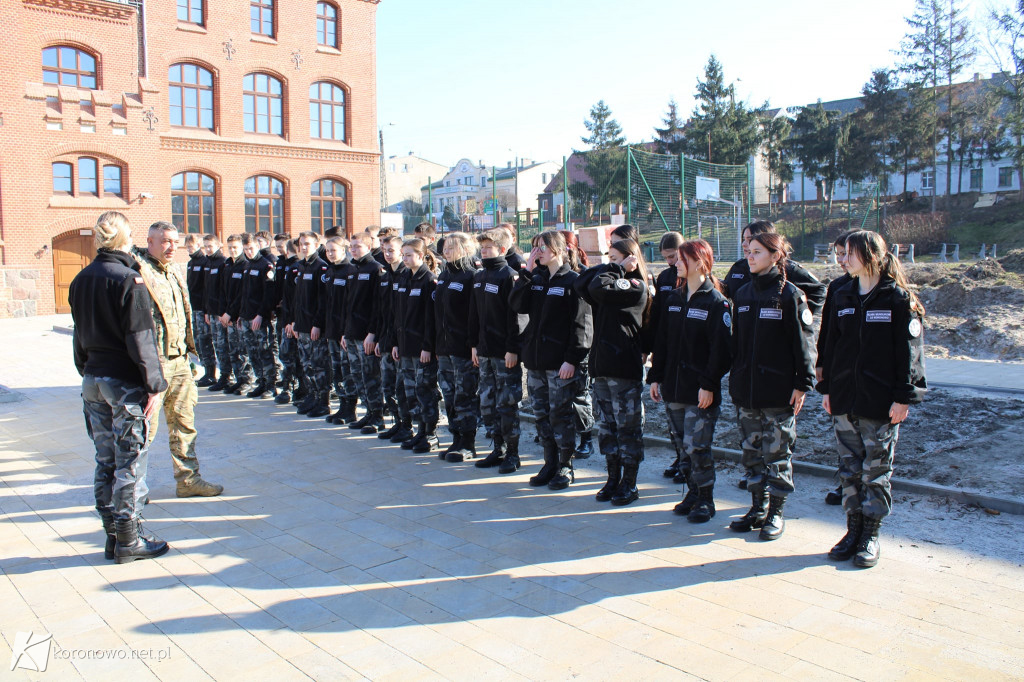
220 115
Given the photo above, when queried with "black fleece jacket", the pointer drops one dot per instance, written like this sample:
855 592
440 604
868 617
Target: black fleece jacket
560 328
618 300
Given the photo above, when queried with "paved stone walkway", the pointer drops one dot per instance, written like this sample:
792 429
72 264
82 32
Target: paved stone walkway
333 557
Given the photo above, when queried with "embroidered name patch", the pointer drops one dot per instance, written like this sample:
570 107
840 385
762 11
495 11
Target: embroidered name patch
697 314
414 292
339 282
236 275
364 276
736 275
536 287
214 271
878 316
771 314
457 286
665 288
846 311
476 285
491 288
675 309
254 273
556 291
743 309
308 275
198 268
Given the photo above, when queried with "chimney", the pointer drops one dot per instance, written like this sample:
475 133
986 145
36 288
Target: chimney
509 164
977 77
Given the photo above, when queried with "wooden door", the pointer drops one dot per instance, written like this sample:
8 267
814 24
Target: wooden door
71 253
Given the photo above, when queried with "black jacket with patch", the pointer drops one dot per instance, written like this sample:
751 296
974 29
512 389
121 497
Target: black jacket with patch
415 330
361 292
213 291
453 300
739 275
195 278
258 288
874 351
308 304
826 313
560 327
617 300
772 343
494 326
693 349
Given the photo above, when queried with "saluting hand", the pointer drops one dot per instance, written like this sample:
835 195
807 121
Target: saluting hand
629 263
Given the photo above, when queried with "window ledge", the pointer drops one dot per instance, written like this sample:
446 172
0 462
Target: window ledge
64 201
191 28
259 38
326 49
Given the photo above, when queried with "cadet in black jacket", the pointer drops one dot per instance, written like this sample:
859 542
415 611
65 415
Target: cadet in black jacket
456 375
115 351
195 278
255 316
496 330
360 293
235 269
414 348
739 273
556 342
513 256
292 387
873 370
773 368
385 314
340 273
692 353
833 497
664 284
215 272
620 300
307 315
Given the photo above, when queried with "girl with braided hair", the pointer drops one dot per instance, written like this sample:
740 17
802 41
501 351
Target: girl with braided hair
773 368
872 371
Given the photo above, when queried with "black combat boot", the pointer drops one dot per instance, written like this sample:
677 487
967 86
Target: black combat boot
301 391
466 447
754 518
336 417
414 440
742 483
868 547
219 385
132 544
607 492
683 475
361 422
258 390
774 523
627 491
565 474
284 397
550 467
672 469
395 428
374 424
456 444
586 447
496 455
834 497
107 517
391 410
307 404
847 546
233 388
510 463
404 432
704 509
321 408
689 499
209 379
349 407
429 442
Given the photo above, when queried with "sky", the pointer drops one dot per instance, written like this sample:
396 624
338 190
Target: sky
493 80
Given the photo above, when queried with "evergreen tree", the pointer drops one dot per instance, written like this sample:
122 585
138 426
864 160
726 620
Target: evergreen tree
670 138
915 146
606 160
605 131
1006 48
721 130
775 153
819 141
878 121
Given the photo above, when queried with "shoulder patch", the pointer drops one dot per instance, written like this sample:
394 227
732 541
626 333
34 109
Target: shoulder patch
138 280
727 319
915 328
807 317
622 284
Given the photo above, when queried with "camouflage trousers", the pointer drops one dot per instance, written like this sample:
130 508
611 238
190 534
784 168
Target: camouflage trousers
553 403
204 342
341 380
768 435
116 423
459 380
365 372
866 450
179 407
239 353
289 356
315 365
394 395
621 408
694 430
419 381
221 346
583 403
501 389
261 354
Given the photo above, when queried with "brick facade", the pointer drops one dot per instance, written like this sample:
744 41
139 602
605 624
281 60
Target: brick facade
134 44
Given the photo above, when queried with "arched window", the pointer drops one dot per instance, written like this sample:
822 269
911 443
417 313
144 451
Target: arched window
63 181
190 91
262 104
87 182
193 201
326 24
328 205
264 204
63 65
112 184
326 111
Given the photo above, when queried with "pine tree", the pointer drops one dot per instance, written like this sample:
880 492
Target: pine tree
721 130
775 152
670 138
819 141
606 160
1006 48
605 131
